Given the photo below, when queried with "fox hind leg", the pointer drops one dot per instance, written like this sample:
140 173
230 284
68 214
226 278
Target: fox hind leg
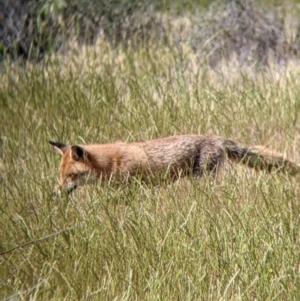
209 160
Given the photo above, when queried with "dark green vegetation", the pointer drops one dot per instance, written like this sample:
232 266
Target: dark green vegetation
236 239
215 30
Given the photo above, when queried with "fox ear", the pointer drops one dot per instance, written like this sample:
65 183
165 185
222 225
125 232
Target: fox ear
59 147
78 153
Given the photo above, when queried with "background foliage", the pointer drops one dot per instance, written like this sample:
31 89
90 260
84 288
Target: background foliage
215 29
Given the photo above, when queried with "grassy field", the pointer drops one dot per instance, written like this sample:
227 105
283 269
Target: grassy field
236 239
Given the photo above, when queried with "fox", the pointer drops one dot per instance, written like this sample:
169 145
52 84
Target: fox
175 156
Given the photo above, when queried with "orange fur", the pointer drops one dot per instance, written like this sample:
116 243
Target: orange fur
176 156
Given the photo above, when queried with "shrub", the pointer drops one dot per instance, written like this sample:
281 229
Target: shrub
240 29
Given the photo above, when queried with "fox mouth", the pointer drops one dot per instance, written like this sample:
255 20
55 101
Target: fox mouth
70 187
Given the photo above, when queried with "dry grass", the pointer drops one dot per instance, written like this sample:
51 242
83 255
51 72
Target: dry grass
236 239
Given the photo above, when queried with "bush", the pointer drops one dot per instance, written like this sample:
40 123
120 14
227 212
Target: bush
240 29
245 30
31 29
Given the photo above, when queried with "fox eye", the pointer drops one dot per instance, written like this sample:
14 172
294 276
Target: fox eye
70 175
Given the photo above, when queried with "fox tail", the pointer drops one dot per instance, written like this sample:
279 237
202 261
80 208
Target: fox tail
260 158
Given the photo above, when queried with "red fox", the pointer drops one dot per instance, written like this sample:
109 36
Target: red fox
175 156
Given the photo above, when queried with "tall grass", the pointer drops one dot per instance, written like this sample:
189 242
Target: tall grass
236 239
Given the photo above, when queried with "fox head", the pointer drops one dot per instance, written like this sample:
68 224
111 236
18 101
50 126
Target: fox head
75 167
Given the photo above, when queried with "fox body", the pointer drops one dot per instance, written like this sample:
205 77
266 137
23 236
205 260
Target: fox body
174 156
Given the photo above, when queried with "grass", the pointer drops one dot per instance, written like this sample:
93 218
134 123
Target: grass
236 239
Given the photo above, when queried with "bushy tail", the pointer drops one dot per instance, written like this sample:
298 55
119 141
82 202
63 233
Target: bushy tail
260 158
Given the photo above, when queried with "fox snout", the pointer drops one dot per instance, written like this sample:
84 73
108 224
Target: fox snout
68 188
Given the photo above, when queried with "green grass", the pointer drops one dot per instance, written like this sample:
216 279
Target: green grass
236 239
